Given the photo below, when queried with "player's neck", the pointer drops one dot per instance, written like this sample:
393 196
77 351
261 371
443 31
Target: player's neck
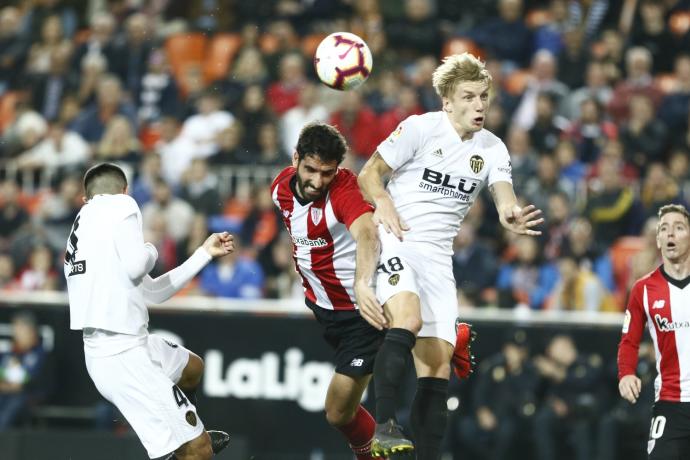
464 134
677 270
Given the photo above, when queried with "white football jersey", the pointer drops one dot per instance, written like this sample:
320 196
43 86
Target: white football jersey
101 294
437 176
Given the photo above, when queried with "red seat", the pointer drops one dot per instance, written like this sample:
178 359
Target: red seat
459 45
220 54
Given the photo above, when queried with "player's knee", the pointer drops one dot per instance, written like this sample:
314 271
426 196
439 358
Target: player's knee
338 416
192 373
412 324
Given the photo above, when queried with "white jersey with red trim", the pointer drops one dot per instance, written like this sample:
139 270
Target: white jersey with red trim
437 176
323 248
664 305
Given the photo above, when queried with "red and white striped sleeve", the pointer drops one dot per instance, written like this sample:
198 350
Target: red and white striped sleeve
633 328
347 200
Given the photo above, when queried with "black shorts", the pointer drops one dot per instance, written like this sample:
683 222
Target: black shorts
354 340
669 433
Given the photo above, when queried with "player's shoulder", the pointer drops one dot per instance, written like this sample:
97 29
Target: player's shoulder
426 121
283 177
116 206
344 179
652 277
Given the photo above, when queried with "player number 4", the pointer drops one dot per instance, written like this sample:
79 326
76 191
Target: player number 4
180 398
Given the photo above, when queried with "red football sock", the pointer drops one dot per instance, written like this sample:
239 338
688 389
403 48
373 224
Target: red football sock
359 433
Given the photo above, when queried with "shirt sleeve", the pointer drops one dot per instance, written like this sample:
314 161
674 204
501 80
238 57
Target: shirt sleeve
347 200
401 145
137 257
633 328
160 289
502 170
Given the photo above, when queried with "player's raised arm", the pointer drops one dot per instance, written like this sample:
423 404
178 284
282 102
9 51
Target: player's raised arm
162 288
371 182
364 233
512 216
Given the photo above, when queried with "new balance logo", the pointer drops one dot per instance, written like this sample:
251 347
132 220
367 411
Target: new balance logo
658 304
357 362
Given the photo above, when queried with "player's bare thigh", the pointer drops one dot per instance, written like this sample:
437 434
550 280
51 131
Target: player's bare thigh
198 448
432 357
403 310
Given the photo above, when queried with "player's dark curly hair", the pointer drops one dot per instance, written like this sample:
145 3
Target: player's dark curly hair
104 178
323 141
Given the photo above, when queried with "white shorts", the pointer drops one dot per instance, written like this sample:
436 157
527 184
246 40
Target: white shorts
140 382
415 267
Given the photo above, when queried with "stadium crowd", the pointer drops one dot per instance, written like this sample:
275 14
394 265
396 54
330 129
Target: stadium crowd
201 102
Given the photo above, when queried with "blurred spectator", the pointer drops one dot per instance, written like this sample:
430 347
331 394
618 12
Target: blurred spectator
643 136
56 212
679 170
202 129
52 42
100 41
262 224
7 280
610 54
547 128
234 276
26 132
546 183
417 31
580 245
176 153
549 36
525 282
506 37
92 121
200 188
12 214
142 186
573 58
198 232
579 289
407 105
249 69
270 151
557 216
596 87
230 149
589 15
648 258
570 406
504 401
309 109
675 107
60 150
522 156
638 65
571 167
611 205
652 33
254 113
475 268
41 10
158 231
612 152
13 48
355 120
422 81
283 94
542 79
119 143
93 67
282 280
47 90
384 96
159 94
590 131
21 369
658 189
177 213
39 274
131 54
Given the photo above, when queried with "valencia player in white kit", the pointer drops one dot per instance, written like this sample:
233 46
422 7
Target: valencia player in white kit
661 299
438 163
151 381
335 248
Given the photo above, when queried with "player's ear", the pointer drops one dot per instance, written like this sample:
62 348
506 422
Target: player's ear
446 105
295 159
83 198
126 190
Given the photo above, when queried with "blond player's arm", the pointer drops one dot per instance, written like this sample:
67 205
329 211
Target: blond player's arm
370 181
366 236
512 216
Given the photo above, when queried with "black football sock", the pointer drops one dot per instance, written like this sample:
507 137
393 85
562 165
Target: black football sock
429 416
389 370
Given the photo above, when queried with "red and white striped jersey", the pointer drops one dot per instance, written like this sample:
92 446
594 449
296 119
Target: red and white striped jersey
323 248
664 304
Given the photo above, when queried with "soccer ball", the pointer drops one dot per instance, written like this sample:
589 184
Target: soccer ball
343 61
